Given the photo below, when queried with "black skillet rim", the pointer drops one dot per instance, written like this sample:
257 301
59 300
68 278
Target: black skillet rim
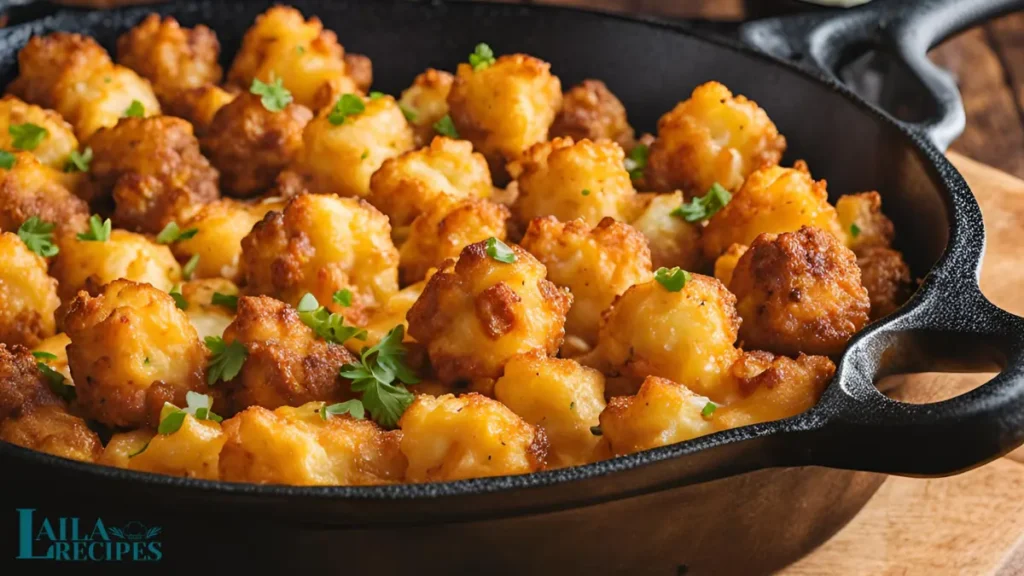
957 197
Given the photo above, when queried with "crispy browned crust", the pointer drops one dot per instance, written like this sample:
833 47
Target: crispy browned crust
287 364
22 385
172 58
199 105
250 145
427 98
887 279
590 110
443 232
47 64
52 430
360 69
799 292
31 189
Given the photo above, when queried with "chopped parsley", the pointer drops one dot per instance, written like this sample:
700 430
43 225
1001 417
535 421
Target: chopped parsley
42 355
330 327
704 207
55 380
636 162
586 192
99 231
445 127
409 112
375 375
343 297
273 95
190 267
229 301
37 234
482 57
200 407
79 161
673 279
347 105
27 136
226 361
135 110
353 408
179 300
500 251
7 160
854 230
375 95
708 410
172 233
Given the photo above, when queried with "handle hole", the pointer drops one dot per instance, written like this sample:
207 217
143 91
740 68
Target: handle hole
886 81
930 387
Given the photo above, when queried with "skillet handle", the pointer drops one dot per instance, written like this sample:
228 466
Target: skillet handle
954 329
905 29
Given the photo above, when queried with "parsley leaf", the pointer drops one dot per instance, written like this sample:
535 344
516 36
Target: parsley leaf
445 127
375 95
135 110
27 136
704 207
672 279
79 161
274 96
190 267
500 251
409 112
708 410
353 408
200 407
482 57
42 355
228 301
854 230
343 297
7 160
330 327
172 233
99 231
347 105
38 236
375 374
586 192
227 359
179 300
636 162
55 381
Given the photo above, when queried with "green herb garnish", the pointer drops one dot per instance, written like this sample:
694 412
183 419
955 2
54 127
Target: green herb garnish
227 359
7 160
79 161
500 251
708 410
229 301
27 136
375 374
273 95
482 57
179 300
347 105
330 327
854 230
352 407
673 279
172 233
37 234
410 113
636 162
42 355
190 267
445 127
99 231
134 110
55 381
200 407
343 297
704 207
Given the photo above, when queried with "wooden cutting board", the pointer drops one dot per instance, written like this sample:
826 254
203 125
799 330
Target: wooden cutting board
967 524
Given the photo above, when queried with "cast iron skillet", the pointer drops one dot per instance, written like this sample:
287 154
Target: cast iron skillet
741 501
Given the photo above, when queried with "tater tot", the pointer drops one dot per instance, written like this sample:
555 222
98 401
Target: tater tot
477 313
359 68
672 240
799 292
207 317
341 158
82 265
687 336
124 342
192 451
297 446
287 364
773 200
591 111
282 44
382 320
28 296
52 430
663 412
596 264
472 436
74 75
444 230
863 224
887 279
411 184
426 102
154 170
560 396
31 189
774 387
220 226
505 108
569 180
726 263
23 387
172 58
54 148
321 244
712 137
199 106
250 145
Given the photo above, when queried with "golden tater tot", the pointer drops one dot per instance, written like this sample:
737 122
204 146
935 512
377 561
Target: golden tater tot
773 200
712 137
28 296
382 320
472 436
287 364
799 292
726 263
340 158
444 230
887 279
172 58
672 240
596 264
569 180
863 224
359 68
23 387
31 189
663 412
411 184
774 387
74 75
59 140
199 106
82 265
687 336
560 396
52 430
505 108
426 102
154 169
124 342
192 451
220 226
297 446
282 44
321 244
207 317
477 313
250 145
590 111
